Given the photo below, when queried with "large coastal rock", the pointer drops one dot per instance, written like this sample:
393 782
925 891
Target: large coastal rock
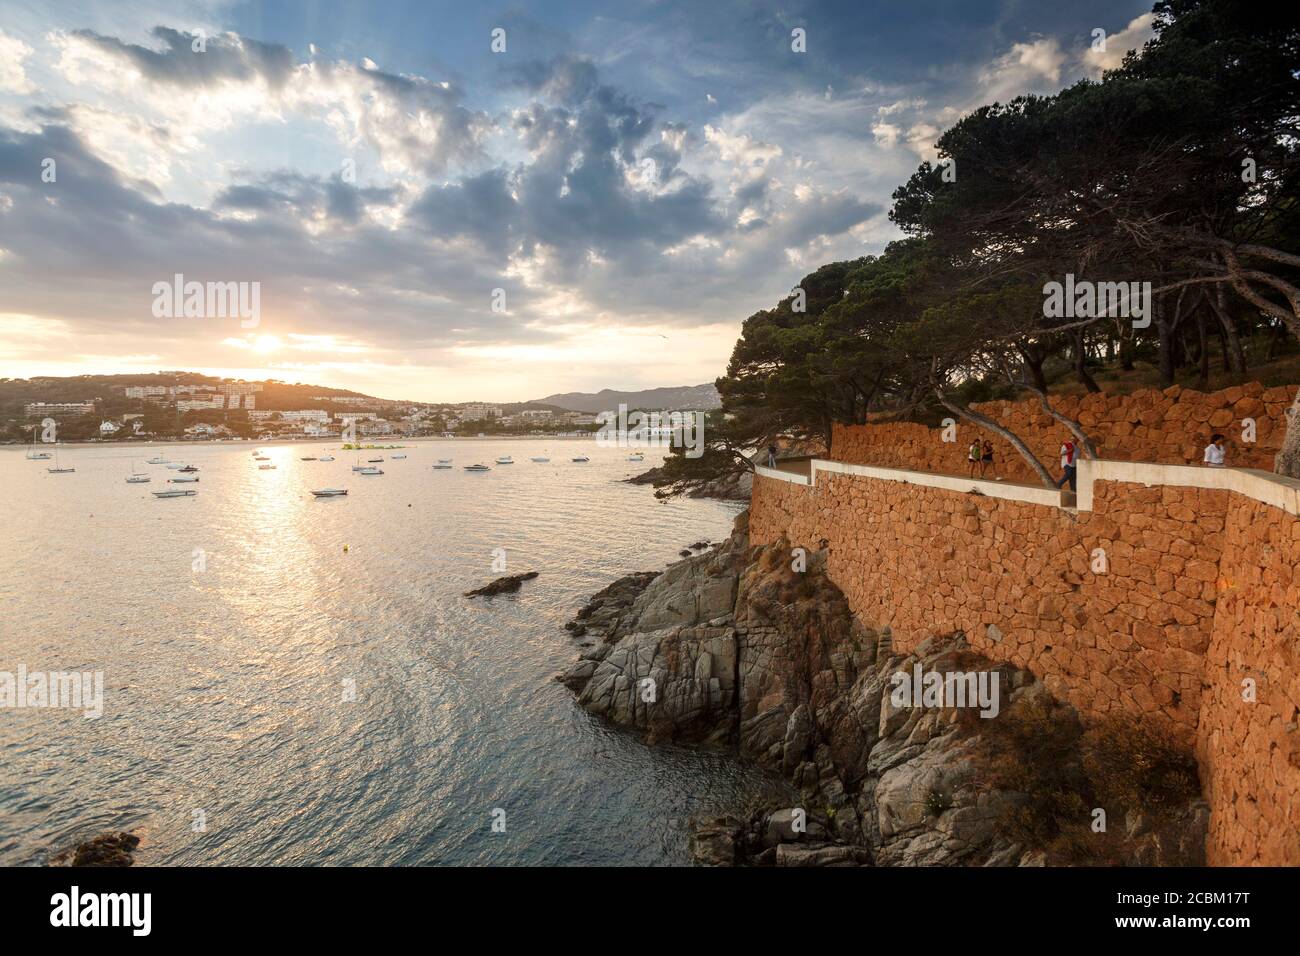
755 649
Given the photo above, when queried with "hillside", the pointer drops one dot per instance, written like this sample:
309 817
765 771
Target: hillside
694 397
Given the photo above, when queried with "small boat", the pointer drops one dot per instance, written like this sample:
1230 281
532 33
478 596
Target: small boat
189 468
260 458
505 460
330 492
176 481
637 457
444 461
306 459
60 471
326 458
175 467
156 461
374 461
175 493
137 479
39 456
540 458
395 457
441 465
371 471
266 467
582 458
477 468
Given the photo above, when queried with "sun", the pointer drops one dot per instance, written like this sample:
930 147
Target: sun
265 344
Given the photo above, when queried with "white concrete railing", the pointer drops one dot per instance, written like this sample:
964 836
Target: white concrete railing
1264 486
1276 490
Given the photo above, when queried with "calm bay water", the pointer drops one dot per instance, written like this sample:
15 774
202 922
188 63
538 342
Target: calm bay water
224 686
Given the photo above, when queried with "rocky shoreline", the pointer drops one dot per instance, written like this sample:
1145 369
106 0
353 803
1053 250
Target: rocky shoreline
735 648
737 488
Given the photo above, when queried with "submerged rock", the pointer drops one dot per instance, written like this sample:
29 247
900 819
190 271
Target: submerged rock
509 583
110 849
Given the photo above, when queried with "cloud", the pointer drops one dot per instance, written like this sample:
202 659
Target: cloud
1031 66
414 124
1132 37
13 79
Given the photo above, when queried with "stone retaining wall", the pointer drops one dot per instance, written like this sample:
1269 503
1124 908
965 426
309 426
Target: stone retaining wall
1197 591
1171 426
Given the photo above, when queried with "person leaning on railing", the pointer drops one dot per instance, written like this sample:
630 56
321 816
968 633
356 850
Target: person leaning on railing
1215 452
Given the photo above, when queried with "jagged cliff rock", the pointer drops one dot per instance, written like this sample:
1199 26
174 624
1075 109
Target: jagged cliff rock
738 647
732 488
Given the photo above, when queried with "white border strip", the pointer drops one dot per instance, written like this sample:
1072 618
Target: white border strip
1271 489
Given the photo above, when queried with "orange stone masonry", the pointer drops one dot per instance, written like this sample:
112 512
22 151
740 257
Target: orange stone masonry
1198 592
1171 426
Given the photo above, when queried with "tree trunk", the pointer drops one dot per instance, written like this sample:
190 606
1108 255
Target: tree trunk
1034 359
1166 345
989 424
1287 460
1073 425
1203 341
1126 345
1236 355
1080 360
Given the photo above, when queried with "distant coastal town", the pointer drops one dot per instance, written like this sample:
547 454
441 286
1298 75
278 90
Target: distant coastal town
190 406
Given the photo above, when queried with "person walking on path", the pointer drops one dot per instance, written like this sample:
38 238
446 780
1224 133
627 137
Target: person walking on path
974 456
771 456
986 459
1215 452
1068 465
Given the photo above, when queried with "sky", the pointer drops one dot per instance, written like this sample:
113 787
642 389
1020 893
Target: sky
472 201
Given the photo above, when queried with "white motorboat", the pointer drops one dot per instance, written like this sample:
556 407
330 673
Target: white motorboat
444 461
326 458
375 461
540 458
177 466
156 461
477 468
505 460
371 471
175 493
330 492
182 479
396 457
637 457
137 479
582 458
441 465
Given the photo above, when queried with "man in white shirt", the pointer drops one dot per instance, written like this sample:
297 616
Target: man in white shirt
1214 451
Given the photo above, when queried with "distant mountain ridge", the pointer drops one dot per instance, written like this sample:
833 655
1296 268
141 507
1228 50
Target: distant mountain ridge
693 397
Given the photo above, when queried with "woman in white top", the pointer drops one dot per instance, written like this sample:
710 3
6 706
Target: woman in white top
1214 451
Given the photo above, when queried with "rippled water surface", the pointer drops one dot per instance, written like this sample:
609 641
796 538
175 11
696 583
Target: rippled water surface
224 686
